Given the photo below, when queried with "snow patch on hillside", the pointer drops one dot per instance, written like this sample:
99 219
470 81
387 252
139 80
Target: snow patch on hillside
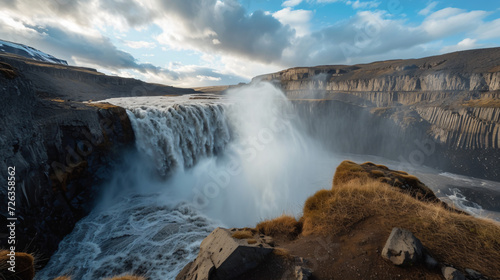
29 52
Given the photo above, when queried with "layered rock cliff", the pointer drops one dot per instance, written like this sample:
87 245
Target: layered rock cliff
451 100
62 149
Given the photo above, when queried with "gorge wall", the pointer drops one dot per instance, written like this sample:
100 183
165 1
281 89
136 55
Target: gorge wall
61 148
450 102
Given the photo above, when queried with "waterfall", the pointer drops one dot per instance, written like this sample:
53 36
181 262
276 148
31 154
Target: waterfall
179 136
200 162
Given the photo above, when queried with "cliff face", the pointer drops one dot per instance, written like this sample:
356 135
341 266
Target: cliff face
451 100
59 151
62 149
475 70
407 80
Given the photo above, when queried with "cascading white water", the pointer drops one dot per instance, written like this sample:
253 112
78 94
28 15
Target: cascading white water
237 159
179 135
139 234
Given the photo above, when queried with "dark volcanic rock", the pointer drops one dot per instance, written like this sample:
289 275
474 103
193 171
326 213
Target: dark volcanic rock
62 149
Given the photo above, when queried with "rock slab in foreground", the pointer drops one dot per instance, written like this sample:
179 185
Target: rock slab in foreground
450 273
223 257
402 248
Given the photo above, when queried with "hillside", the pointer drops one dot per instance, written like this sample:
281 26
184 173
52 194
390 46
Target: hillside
343 232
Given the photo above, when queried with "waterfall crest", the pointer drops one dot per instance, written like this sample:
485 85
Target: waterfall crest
178 136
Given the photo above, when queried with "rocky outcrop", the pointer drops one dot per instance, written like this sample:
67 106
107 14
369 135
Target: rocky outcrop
451 100
450 273
224 255
402 248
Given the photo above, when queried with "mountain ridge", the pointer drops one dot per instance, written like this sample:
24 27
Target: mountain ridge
29 52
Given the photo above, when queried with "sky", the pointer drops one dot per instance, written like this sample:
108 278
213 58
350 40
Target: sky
190 43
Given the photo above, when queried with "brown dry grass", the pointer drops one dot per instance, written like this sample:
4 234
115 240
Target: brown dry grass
401 180
102 105
348 170
284 225
24 269
7 73
7 70
65 277
242 234
458 239
377 173
251 241
359 197
282 252
483 102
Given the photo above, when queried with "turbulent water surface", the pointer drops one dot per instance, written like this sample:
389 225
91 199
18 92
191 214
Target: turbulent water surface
202 161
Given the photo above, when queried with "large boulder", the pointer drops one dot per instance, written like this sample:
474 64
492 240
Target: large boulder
223 256
302 273
450 273
402 248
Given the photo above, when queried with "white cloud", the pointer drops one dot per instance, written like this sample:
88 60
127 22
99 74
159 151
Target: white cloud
84 45
203 78
229 41
297 19
363 5
355 4
427 10
465 44
328 1
233 65
291 3
195 24
450 21
140 44
489 30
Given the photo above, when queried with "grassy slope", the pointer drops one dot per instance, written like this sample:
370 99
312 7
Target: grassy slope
355 217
